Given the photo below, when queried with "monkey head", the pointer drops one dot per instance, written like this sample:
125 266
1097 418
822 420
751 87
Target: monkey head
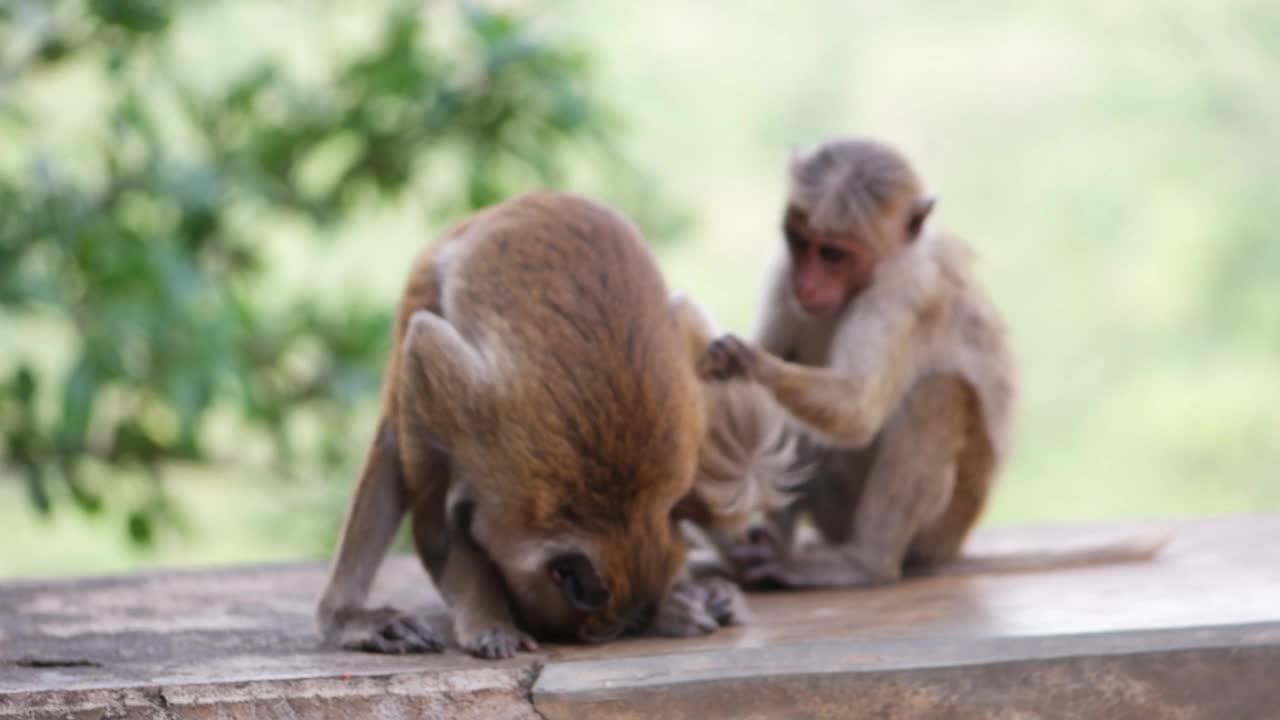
852 204
594 558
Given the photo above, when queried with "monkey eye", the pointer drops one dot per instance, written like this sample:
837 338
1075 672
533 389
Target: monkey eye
831 254
795 242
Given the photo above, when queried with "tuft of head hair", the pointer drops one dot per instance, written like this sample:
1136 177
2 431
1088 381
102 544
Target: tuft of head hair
848 184
751 456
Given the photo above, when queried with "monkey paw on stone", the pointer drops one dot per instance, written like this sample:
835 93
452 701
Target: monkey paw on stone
728 357
698 607
497 642
388 631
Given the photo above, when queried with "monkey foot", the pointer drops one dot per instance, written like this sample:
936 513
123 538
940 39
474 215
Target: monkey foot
765 562
497 643
388 631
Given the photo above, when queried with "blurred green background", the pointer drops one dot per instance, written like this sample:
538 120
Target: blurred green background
207 209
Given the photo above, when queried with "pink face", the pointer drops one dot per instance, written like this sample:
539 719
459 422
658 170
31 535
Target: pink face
827 269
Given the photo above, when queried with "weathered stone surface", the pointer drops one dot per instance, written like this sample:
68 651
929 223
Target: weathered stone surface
1194 634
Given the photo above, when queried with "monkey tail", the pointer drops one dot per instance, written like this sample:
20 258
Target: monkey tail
1131 550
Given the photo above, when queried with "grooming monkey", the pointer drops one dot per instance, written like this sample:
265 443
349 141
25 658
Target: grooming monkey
878 344
541 418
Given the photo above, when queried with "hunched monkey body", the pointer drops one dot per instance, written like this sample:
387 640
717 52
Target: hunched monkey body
877 343
540 420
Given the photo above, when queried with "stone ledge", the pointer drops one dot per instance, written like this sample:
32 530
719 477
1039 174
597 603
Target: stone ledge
1194 672
1196 634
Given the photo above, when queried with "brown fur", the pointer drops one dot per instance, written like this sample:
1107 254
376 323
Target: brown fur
540 400
907 392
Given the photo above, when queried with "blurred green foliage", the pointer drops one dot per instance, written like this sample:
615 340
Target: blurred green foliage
147 237
1114 164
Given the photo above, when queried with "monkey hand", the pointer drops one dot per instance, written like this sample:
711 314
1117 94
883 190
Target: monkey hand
725 601
698 607
728 357
386 630
496 642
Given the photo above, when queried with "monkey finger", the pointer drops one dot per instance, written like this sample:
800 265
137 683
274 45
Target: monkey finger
417 635
723 359
388 631
715 363
698 622
725 602
742 355
683 614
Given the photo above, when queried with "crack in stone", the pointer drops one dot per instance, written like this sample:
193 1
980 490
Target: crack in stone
38 662
160 702
528 681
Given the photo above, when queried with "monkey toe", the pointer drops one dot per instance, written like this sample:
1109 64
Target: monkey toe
414 635
499 643
389 632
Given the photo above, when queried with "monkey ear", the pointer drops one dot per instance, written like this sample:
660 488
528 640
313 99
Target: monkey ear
579 581
797 156
919 214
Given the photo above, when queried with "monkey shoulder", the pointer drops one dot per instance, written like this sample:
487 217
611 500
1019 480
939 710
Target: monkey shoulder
971 340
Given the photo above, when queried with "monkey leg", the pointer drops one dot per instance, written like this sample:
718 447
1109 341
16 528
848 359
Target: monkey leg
472 587
942 540
374 515
832 486
907 490
440 386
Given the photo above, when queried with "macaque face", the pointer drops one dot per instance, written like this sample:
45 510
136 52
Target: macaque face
569 594
827 268
590 587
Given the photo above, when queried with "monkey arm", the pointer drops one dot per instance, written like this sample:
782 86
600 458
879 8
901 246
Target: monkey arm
873 364
482 621
376 510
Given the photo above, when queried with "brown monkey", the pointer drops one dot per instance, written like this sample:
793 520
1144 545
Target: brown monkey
876 340
541 418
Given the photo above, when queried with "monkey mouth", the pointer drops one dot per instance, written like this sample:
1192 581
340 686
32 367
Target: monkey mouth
823 310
